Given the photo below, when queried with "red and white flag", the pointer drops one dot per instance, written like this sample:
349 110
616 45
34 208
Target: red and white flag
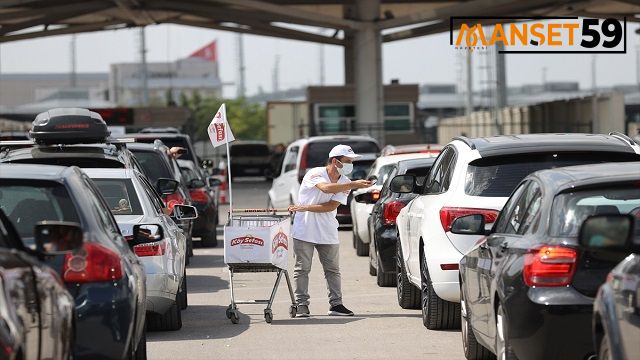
208 52
219 130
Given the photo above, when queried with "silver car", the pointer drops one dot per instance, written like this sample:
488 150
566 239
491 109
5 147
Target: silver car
154 237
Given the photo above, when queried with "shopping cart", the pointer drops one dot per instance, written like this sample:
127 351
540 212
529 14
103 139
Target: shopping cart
257 240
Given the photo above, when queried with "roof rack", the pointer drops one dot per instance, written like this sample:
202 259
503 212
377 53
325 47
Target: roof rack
623 137
466 140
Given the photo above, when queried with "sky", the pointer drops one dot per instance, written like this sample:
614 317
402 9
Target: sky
424 60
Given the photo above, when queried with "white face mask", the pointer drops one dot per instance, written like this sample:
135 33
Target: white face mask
346 168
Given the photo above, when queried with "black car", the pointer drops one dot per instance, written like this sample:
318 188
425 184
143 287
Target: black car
249 158
105 278
616 310
157 164
204 198
527 288
382 221
37 310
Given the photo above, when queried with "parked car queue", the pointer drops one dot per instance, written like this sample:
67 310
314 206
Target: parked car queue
526 243
101 229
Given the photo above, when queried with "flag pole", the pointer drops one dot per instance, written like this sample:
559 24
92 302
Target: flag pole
226 136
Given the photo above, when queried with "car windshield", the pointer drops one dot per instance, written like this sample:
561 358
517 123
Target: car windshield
26 202
497 176
120 195
154 166
318 152
249 150
571 209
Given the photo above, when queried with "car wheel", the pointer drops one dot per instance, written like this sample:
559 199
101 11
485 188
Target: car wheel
372 269
503 349
408 295
209 240
141 349
170 321
182 293
472 349
383 279
189 248
437 314
604 353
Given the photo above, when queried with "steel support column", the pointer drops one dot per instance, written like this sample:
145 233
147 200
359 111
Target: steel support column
368 69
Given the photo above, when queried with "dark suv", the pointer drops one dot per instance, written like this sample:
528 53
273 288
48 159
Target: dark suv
105 278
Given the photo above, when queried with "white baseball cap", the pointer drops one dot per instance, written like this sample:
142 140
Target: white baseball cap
343 150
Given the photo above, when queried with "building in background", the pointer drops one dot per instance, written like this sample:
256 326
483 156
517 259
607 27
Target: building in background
167 80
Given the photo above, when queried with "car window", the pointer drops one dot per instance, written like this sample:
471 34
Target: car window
154 166
27 202
570 209
385 187
157 202
101 209
318 152
441 173
290 159
188 174
383 174
120 196
502 223
530 199
420 173
533 201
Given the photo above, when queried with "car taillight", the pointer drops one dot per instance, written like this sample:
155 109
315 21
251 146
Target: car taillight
303 164
550 266
390 211
92 263
199 195
157 248
173 199
449 214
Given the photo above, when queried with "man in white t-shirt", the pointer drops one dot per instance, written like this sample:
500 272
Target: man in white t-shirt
315 226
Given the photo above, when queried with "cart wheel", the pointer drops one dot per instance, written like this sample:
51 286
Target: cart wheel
293 311
268 316
228 312
234 317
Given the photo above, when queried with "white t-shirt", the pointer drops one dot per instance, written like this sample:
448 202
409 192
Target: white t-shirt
318 228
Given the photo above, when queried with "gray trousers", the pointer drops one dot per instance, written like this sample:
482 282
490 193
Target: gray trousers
329 258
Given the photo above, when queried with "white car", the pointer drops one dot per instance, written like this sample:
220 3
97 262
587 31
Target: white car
360 211
304 154
155 238
474 176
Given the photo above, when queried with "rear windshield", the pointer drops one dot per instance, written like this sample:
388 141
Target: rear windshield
497 176
27 202
571 209
120 196
318 152
153 165
249 150
86 163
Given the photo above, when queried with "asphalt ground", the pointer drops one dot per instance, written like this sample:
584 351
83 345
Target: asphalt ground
380 329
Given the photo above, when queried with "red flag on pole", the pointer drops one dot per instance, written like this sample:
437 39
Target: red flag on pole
208 52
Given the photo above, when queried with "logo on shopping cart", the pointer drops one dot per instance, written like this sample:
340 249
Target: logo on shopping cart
280 240
247 240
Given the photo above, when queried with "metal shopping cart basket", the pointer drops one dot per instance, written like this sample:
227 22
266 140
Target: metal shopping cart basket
257 240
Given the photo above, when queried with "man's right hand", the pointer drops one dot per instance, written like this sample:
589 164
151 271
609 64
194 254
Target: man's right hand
361 184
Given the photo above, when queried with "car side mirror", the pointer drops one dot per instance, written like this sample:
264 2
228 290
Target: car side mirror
166 186
185 212
196 183
57 237
213 181
403 184
369 197
607 232
146 233
473 224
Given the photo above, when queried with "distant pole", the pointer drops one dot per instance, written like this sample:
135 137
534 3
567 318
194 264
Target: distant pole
469 85
638 66
240 89
276 74
593 74
143 63
594 98
321 63
73 82
544 78
501 85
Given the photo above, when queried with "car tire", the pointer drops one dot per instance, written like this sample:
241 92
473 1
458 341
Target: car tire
408 295
383 279
472 349
169 321
372 270
182 293
362 249
209 240
437 314
141 349
503 348
604 353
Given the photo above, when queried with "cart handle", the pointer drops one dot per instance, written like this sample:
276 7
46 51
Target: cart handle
244 211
